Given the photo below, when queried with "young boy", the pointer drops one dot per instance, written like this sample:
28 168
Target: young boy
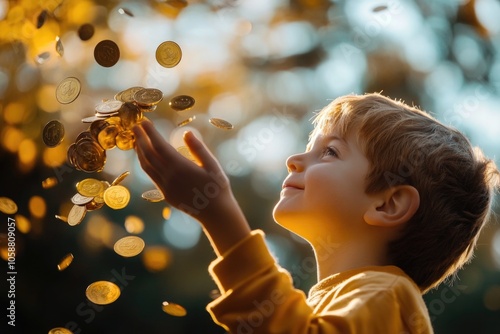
403 197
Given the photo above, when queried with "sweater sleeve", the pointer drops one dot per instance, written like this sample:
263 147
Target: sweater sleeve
257 296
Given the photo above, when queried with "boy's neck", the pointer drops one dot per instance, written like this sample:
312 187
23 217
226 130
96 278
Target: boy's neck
333 258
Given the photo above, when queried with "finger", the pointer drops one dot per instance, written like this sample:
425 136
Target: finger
155 176
148 157
200 151
161 146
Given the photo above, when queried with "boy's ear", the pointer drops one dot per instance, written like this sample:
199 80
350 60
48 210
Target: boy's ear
394 206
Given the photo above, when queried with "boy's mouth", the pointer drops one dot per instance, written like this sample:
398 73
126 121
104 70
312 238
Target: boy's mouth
290 185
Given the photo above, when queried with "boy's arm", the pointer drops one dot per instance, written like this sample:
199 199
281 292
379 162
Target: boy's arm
203 191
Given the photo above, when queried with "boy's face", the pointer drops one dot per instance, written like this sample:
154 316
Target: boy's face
325 189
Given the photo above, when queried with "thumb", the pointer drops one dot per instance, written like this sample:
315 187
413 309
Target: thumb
200 151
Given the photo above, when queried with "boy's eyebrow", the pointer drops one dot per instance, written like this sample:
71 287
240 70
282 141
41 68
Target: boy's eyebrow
328 139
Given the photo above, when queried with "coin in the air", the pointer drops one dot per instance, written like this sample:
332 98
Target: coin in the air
76 215
120 178
79 199
89 187
173 309
379 8
102 292
59 46
125 140
65 262
86 31
148 96
41 18
90 119
168 54
125 11
154 195
177 3
7 206
181 102
106 53
42 57
220 123
62 218
53 133
49 182
60 330
129 246
186 121
107 137
68 90
116 197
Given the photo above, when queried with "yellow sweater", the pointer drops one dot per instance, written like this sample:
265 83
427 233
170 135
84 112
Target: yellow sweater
258 297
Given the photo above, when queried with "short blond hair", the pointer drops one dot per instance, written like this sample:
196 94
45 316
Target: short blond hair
456 182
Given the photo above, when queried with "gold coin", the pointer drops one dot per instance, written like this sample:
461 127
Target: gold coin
181 102
154 195
60 330
62 218
40 20
148 96
125 140
76 215
129 246
173 309
168 54
127 95
89 187
120 178
106 53
94 205
86 31
220 123
49 182
107 137
68 90
129 114
80 199
379 8
102 292
116 197
89 156
65 262
53 133
108 107
59 47
96 127
7 206
186 121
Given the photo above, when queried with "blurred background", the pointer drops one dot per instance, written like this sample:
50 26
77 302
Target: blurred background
266 66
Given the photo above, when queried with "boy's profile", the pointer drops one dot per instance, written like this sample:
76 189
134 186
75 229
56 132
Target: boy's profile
403 196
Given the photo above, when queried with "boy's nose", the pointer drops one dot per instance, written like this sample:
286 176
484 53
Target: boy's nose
294 163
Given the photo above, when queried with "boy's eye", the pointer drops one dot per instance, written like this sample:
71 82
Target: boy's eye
330 151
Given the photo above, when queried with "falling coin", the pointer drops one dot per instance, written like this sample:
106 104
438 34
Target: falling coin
116 197
80 199
89 187
186 121
125 11
106 53
181 102
49 182
59 47
53 133
40 20
102 292
120 178
62 218
108 107
68 90
168 54
177 3
60 330
129 246
173 309
379 8
65 262
154 195
76 215
7 206
220 123
127 95
42 57
86 31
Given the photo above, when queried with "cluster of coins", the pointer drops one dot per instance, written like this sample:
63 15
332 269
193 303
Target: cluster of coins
92 194
111 127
